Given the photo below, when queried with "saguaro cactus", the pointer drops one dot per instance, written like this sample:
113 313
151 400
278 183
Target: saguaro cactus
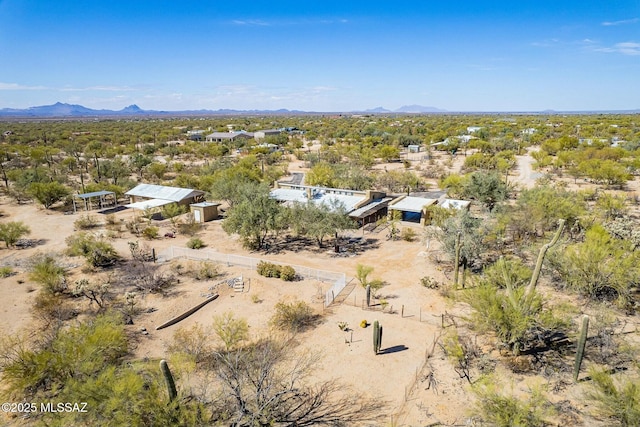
368 295
582 342
543 252
171 385
457 260
377 337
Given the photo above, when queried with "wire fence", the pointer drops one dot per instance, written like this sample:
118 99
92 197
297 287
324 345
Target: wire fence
338 280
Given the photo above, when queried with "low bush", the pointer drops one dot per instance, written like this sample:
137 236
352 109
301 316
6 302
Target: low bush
151 232
98 253
6 271
408 235
268 269
287 273
195 243
293 316
85 222
46 271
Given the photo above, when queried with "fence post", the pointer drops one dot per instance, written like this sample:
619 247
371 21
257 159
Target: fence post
402 311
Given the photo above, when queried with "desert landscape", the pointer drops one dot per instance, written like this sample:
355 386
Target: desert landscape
435 364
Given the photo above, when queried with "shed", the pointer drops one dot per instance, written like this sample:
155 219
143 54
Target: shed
101 195
204 211
182 196
413 148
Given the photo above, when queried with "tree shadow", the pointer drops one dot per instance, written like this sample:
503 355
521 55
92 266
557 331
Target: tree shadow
394 349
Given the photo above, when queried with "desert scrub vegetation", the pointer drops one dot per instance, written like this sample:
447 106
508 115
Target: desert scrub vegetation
85 222
47 271
600 268
269 269
498 408
11 232
97 252
615 399
293 316
84 363
195 243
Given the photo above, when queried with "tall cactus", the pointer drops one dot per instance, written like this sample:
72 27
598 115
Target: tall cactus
171 385
582 342
368 295
377 337
543 251
457 260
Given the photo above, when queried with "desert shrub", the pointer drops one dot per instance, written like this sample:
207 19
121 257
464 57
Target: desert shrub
46 271
10 232
517 318
618 401
408 235
207 270
189 226
497 408
111 219
6 271
268 269
507 271
193 341
97 252
429 283
293 316
600 268
151 232
231 330
52 308
85 222
287 273
195 243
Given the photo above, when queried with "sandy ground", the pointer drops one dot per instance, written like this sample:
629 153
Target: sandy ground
411 322
347 356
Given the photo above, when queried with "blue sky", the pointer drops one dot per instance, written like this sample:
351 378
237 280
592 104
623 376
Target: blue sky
321 55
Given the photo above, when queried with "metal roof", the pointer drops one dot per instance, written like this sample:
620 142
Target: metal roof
94 194
412 204
455 204
319 197
148 204
370 208
173 194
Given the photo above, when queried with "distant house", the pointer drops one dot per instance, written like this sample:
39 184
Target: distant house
195 135
228 136
473 129
262 134
529 131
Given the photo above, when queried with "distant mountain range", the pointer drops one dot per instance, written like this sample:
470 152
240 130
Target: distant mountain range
73 110
61 110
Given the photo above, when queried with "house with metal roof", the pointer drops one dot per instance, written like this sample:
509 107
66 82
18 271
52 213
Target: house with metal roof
416 209
228 136
363 206
146 196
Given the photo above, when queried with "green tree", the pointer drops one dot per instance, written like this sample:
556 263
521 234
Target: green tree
48 193
322 174
485 187
255 216
10 232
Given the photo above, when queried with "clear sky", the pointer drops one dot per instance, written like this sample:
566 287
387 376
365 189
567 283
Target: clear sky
327 55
